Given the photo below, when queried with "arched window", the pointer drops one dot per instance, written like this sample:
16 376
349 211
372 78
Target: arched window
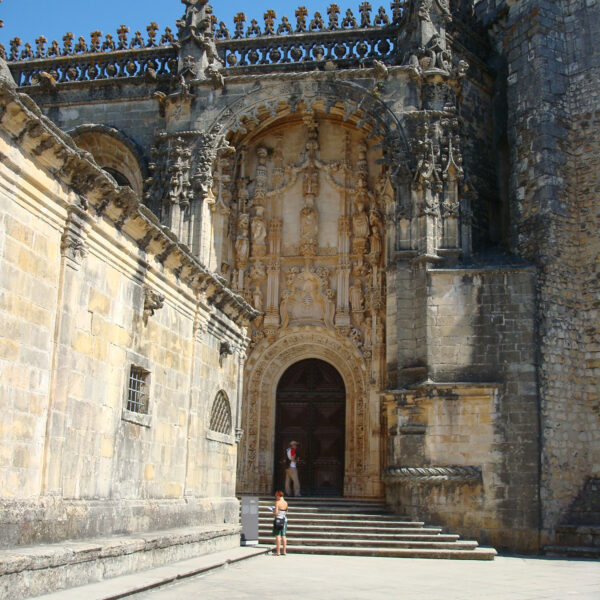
115 153
220 416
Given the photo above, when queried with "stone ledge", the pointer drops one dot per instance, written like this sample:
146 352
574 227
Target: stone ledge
71 551
35 570
127 585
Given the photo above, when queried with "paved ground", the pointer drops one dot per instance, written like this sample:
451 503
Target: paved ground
335 577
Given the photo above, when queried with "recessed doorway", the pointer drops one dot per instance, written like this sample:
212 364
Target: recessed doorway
311 409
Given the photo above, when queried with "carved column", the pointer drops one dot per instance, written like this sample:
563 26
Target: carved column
273 274
342 317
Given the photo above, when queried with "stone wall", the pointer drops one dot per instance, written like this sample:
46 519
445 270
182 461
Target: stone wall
91 285
551 55
472 409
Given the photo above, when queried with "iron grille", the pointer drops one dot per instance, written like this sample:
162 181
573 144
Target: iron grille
220 417
137 396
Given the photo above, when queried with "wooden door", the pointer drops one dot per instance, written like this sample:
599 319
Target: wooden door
311 409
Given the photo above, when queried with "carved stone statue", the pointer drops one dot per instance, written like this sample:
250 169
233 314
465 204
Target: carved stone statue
357 299
309 228
258 270
360 228
257 298
242 244
258 229
376 244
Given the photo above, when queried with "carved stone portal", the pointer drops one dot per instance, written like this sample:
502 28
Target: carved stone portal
308 250
265 367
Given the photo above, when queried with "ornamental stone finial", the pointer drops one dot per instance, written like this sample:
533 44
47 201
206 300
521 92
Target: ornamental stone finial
196 39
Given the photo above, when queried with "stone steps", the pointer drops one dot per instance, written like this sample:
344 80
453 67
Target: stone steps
350 527
265 534
471 554
334 529
378 543
349 520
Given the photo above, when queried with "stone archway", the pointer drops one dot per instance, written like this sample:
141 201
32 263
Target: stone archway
267 363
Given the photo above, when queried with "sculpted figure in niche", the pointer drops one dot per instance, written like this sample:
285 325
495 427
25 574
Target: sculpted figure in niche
360 228
257 298
309 227
357 299
242 244
375 239
283 308
258 229
258 270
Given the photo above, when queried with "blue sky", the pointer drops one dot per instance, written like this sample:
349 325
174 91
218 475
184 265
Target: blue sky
28 19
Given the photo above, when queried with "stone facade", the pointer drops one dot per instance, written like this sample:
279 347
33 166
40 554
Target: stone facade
91 285
409 195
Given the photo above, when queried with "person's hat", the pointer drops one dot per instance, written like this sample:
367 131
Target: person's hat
293 442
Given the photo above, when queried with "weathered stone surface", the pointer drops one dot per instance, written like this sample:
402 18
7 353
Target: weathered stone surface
411 197
34 570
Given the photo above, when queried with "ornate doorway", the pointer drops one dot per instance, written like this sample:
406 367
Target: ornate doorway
311 409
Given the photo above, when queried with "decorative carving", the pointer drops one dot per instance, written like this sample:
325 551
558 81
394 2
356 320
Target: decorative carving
242 244
360 227
205 152
72 246
197 28
433 475
309 228
375 240
357 299
225 350
178 170
308 300
152 302
258 270
257 298
258 228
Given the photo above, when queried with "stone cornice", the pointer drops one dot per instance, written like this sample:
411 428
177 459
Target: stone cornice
98 195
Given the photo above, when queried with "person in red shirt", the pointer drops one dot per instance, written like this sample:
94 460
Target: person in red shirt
291 473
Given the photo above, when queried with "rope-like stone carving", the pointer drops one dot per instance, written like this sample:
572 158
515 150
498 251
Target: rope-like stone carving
453 474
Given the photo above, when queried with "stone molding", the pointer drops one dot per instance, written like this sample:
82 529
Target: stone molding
433 475
99 197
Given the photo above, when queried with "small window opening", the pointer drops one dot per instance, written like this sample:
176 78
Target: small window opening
220 417
137 395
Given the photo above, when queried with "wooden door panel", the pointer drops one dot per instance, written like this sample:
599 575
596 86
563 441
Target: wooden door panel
311 410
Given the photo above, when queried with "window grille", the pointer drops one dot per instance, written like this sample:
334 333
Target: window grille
220 416
137 394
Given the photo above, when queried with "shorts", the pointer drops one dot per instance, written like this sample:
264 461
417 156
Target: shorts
282 532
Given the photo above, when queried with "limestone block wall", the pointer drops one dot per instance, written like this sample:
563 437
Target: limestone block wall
29 274
450 467
551 55
472 408
84 298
